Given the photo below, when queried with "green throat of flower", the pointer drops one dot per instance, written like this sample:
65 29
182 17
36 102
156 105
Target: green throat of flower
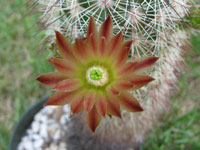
95 74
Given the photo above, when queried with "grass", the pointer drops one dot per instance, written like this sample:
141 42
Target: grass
22 60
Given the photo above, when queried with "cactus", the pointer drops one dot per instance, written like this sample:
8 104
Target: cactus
155 26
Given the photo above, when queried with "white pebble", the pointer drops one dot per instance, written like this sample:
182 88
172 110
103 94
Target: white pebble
43 119
35 126
66 109
38 143
29 131
40 118
28 145
35 137
56 136
37 116
63 120
48 109
43 131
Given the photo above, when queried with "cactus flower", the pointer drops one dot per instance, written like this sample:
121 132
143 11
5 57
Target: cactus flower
94 76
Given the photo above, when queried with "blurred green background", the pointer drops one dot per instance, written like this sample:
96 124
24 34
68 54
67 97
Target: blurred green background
23 58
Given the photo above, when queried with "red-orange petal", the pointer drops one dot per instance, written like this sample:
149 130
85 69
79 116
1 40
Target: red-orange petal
93 43
89 101
129 102
81 49
122 56
122 53
64 46
113 107
106 29
91 27
93 119
124 85
127 68
77 104
62 65
51 79
116 43
92 37
113 90
67 85
60 98
140 80
145 63
127 44
103 46
101 105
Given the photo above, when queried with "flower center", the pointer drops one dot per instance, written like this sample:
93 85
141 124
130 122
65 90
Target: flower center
97 76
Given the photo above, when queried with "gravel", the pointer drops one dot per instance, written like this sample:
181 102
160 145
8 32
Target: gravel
53 129
47 130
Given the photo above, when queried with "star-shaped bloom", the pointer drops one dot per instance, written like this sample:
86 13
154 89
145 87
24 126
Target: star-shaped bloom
93 74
